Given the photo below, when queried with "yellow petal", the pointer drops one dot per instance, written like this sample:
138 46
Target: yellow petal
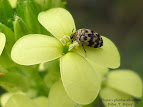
114 98
126 81
107 55
57 21
13 3
2 42
58 96
80 80
41 101
19 100
36 48
100 70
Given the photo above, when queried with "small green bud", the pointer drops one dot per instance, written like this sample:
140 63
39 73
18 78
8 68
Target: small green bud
6 13
27 10
20 28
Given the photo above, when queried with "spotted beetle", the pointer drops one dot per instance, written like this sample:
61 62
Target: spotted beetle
87 37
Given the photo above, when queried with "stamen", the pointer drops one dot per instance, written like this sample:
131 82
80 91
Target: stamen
74 44
65 39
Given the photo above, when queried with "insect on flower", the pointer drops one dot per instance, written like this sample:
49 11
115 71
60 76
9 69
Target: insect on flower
87 37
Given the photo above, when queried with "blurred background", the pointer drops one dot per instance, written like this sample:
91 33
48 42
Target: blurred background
119 20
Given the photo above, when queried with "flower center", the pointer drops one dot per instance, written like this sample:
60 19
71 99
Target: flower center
68 44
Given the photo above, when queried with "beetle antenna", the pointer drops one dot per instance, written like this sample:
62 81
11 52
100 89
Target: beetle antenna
72 30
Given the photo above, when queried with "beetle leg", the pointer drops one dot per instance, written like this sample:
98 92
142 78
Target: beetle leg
74 44
84 50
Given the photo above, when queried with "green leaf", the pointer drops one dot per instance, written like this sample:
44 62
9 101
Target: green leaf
107 55
126 81
100 70
18 100
13 3
7 31
58 97
20 28
140 104
6 13
27 10
9 37
2 42
114 98
36 48
80 80
13 81
5 61
41 101
57 21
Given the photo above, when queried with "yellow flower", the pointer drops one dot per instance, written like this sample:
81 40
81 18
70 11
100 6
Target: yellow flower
121 87
2 42
79 78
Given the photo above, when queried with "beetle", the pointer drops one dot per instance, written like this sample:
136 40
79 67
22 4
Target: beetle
87 37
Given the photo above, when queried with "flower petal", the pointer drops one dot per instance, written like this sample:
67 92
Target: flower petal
58 96
6 96
126 81
57 21
41 101
107 55
100 70
36 48
114 98
2 42
79 79
13 3
18 100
